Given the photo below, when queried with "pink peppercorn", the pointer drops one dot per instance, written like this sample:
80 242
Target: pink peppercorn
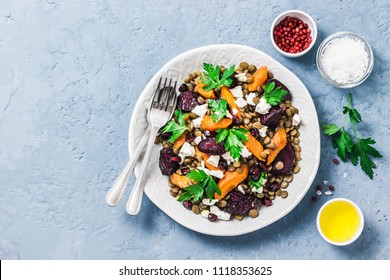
292 35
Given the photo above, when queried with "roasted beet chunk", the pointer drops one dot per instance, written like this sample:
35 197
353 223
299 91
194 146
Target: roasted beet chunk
187 101
255 172
169 161
272 118
287 157
239 203
211 147
278 83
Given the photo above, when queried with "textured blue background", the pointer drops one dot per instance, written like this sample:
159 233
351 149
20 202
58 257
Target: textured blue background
70 75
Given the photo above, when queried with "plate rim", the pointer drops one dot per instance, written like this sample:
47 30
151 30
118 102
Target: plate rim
159 73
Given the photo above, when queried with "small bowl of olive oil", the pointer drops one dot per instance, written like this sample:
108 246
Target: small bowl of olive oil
340 221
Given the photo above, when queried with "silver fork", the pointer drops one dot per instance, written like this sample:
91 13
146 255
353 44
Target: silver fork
162 108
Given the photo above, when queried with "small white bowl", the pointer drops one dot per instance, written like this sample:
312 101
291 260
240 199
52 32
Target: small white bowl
357 232
339 35
299 15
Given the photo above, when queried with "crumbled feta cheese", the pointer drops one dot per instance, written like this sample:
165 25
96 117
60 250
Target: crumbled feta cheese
263 131
213 160
197 122
200 110
241 102
209 202
187 150
227 156
236 92
217 173
241 189
197 139
296 120
235 111
245 152
263 106
249 98
241 77
318 192
228 115
328 193
259 190
205 214
325 182
206 170
219 213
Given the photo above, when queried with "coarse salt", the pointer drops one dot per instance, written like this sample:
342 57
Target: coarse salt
345 60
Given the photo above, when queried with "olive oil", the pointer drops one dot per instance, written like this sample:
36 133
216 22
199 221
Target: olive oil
340 221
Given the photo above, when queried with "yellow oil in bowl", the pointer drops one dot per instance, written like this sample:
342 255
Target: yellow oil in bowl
340 221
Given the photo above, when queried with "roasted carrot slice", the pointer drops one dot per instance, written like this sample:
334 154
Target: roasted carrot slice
259 78
228 96
280 141
205 93
231 180
209 124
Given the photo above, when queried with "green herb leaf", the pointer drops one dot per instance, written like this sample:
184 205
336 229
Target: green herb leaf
330 129
274 96
222 133
174 128
203 183
211 76
219 109
343 144
361 150
197 175
233 140
355 152
181 117
259 183
365 145
194 191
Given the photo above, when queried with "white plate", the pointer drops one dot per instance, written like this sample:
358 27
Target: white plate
156 187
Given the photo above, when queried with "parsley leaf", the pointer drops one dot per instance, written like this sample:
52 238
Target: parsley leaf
343 143
361 149
174 128
203 182
211 76
219 109
274 96
259 183
330 129
233 140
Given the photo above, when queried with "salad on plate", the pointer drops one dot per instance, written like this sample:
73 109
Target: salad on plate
232 145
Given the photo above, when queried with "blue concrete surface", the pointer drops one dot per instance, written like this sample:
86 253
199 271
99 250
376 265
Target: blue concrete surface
70 74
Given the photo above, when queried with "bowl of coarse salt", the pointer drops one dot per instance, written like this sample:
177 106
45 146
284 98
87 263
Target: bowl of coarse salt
344 59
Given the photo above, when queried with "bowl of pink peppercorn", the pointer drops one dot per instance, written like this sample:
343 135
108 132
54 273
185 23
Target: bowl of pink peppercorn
293 33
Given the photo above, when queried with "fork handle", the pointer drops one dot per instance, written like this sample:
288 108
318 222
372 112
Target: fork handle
115 194
133 205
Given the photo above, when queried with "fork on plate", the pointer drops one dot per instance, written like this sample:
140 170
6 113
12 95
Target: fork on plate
163 100
161 110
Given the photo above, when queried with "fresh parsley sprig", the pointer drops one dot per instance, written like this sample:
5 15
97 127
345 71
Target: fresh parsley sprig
233 138
274 96
176 129
360 149
211 76
203 183
260 182
219 109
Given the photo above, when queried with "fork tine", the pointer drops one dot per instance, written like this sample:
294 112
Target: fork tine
161 93
168 95
171 102
156 94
